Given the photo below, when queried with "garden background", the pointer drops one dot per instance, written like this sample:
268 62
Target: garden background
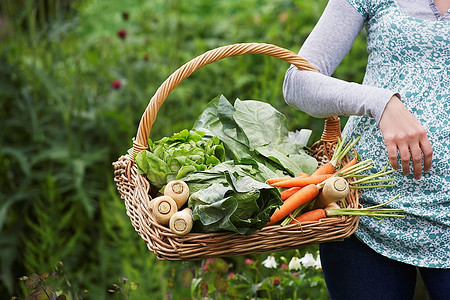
75 78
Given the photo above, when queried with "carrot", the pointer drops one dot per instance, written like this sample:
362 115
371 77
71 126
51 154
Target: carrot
302 196
350 163
278 179
275 180
289 192
301 174
312 215
327 168
339 153
288 183
372 211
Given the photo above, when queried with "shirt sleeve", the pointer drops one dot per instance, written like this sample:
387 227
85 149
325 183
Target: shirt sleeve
361 7
319 94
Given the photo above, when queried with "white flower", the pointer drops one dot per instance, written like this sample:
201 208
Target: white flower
308 260
318 263
270 262
294 264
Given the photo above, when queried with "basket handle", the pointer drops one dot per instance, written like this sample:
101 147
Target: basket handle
140 143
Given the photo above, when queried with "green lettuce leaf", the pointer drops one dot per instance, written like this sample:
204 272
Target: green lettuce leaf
176 156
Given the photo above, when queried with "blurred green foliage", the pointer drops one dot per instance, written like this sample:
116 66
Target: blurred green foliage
75 78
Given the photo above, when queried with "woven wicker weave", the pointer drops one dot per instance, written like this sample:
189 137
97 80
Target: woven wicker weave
134 189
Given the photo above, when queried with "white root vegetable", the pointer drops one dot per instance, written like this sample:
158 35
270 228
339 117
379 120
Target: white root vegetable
181 222
332 205
178 190
150 204
163 208
334 189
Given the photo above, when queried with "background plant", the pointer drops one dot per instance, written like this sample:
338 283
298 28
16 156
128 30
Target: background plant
282 275
75 77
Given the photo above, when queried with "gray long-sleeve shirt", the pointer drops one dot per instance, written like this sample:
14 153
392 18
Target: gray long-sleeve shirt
321 95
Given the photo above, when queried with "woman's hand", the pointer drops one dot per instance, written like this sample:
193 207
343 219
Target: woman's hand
402 132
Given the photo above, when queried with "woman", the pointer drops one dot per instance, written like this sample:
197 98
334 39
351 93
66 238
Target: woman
401 112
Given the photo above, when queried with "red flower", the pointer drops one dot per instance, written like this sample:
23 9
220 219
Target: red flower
283 266
122 33
125 15
231 275
248 261
117 84
276 281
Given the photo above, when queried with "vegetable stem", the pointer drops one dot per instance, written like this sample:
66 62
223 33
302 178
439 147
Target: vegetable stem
347 148
356 169
371 211
369 177
342 149
372 186
293 215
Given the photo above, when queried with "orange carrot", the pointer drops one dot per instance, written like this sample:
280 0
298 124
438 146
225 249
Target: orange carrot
340 151
312 215
301 174
327 168
289 192
288 183
278 179
350 163
274 180
302 196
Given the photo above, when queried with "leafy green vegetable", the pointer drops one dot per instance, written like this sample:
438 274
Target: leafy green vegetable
227 181
233 202
217 120
176 156
256 130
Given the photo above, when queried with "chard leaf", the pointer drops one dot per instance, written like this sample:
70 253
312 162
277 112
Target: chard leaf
307 163
233 200
244 184
262 124
267 132
247 204
209 195
217 120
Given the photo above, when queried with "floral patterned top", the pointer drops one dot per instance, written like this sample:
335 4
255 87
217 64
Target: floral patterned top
410 56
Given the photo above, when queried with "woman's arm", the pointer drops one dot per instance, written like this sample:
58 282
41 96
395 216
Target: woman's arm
320 95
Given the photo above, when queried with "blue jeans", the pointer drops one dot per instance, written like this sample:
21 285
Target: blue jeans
354 271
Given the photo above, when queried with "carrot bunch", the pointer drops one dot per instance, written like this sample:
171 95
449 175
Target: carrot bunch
300 191
334 210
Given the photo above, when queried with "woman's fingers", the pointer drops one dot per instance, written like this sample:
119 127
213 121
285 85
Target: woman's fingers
392 153
427 151
403 150
416 156
405 136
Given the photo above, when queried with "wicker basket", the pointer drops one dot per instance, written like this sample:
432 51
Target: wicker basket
134 188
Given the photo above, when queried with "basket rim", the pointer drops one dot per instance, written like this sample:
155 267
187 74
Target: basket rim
148 117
